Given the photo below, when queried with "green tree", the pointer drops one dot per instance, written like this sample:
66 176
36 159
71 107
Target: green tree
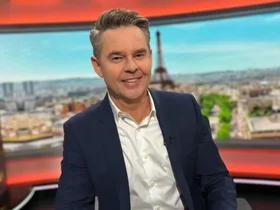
206 111
223 131
225 115
222 134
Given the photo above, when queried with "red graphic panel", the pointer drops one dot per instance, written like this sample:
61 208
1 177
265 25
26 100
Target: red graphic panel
58 11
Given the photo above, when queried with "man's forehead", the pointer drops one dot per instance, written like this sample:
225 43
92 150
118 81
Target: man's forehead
123 36
124 46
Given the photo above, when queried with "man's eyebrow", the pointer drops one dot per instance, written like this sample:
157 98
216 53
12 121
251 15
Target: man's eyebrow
141 50
114 53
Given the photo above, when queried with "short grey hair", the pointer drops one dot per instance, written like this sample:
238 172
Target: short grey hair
116 18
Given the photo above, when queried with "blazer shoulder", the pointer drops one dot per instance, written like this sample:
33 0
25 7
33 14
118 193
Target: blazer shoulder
177 97
181 104
84 116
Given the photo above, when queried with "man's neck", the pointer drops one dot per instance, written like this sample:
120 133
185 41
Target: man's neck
138 110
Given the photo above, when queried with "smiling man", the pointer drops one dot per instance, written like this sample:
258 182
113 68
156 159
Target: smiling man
124 60
139 148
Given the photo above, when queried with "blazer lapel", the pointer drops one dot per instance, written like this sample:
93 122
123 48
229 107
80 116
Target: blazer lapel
112 148
167 121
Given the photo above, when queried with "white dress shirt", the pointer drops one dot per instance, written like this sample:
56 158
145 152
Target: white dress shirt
151 180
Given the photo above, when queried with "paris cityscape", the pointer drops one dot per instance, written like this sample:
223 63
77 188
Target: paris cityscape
240 105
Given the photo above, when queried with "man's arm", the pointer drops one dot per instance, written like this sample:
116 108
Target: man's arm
75 189
217 185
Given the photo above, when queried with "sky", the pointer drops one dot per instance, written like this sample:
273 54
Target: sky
198 47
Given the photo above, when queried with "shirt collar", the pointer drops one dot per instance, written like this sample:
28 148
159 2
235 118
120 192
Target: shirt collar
118 113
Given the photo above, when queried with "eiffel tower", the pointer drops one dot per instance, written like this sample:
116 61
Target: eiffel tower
161 76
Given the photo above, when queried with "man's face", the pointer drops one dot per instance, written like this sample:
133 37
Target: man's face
125 62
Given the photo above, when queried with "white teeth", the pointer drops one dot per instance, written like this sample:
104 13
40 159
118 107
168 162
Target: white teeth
131 80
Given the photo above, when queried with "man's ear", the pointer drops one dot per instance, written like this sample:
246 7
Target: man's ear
96 66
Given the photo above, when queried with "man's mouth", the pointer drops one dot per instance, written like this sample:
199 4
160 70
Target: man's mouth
131 80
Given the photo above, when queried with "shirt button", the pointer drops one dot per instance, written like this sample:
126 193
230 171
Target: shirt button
152 184
157 208
145 157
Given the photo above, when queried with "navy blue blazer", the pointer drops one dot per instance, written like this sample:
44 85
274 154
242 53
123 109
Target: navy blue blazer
93 163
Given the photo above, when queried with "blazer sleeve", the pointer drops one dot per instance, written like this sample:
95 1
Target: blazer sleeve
217 186
75 189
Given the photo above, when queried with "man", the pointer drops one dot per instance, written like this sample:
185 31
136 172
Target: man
139 148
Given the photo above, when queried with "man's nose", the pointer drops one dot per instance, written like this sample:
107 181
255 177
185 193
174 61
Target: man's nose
130 65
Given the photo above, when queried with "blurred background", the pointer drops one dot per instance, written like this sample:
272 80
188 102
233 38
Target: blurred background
226 53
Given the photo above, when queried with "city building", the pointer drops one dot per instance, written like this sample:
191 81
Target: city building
261 102
264 127
28 88
276 104
8 89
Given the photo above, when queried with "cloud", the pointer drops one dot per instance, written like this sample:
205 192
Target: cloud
25 52
78 48
222 47
207 57
187 26
273 18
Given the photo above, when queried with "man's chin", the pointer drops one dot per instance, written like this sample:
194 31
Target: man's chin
135 95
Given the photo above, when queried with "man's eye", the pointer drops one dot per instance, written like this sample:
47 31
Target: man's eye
116 58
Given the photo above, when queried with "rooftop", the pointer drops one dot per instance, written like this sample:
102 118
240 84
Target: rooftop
264 124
